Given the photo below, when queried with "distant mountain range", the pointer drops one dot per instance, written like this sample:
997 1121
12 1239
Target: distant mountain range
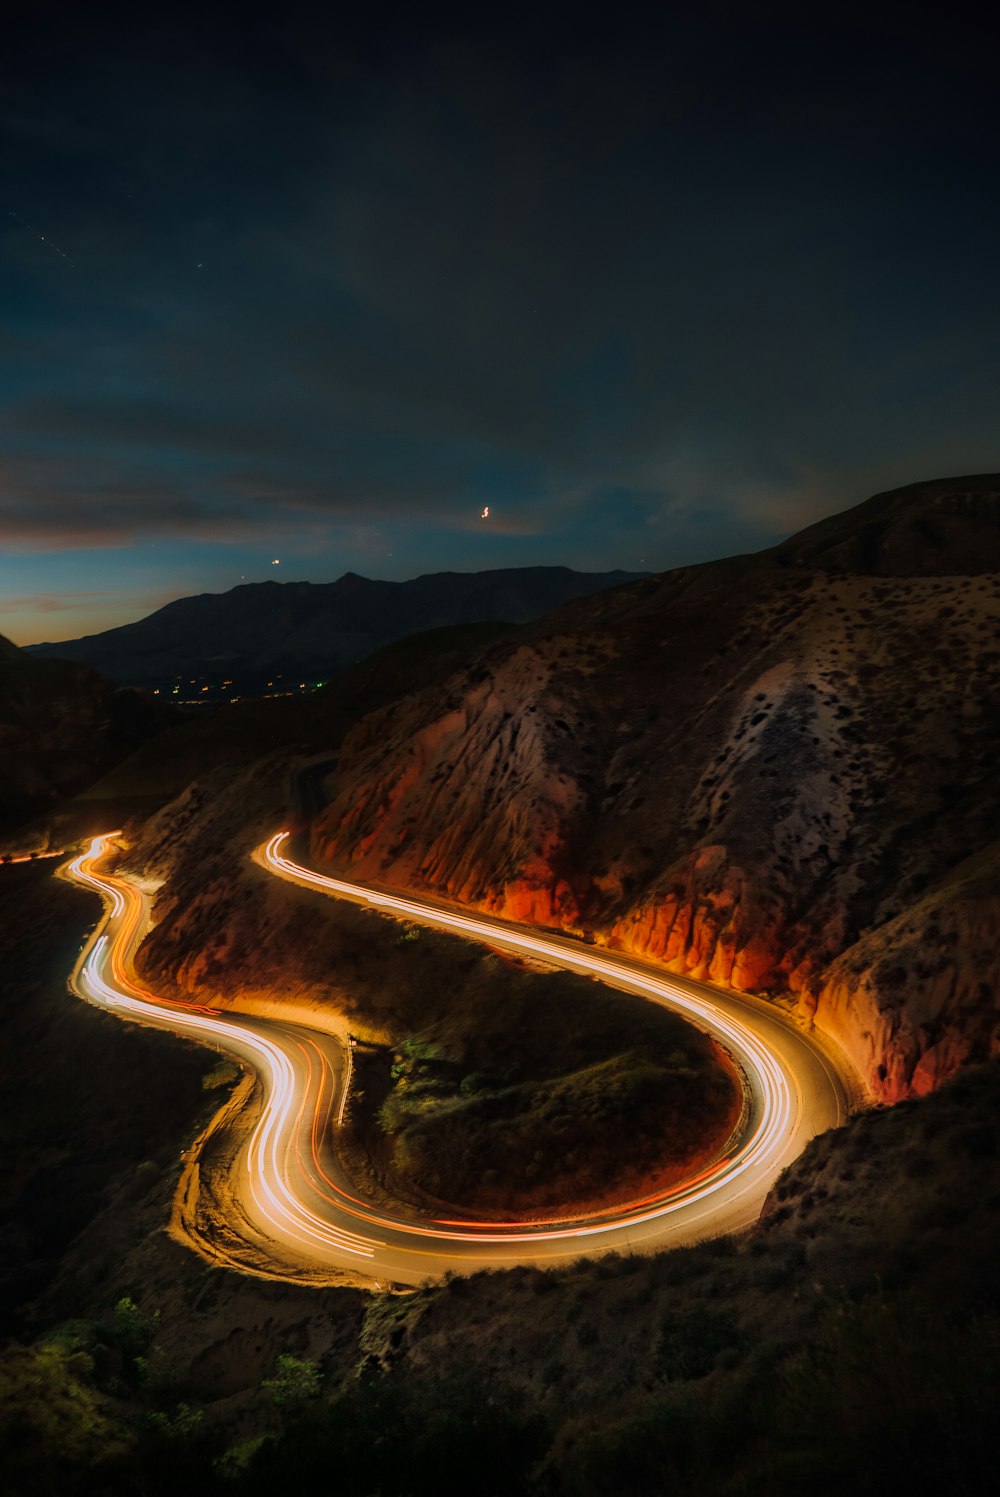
270 631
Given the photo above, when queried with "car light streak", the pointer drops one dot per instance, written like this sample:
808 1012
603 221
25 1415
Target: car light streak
287 1176
266 1167
766 1077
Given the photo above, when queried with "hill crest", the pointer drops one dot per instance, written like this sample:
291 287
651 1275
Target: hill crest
260 631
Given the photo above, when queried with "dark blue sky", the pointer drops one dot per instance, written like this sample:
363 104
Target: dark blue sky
296 283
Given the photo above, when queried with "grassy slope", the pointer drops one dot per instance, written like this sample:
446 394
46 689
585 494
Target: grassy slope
502 1062
535 1090
848 1343
547 1090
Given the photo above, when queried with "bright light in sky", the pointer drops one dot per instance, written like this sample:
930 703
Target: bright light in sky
653 331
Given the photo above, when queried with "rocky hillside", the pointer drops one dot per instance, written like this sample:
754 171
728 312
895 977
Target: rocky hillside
946 527
846 1344
254 634
776 772
61 728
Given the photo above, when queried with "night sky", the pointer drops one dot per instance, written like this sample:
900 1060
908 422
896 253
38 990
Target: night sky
319 284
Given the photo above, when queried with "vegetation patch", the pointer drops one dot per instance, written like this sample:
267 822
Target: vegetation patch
581 1097
482 1083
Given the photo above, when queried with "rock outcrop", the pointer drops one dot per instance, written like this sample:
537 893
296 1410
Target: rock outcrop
777 773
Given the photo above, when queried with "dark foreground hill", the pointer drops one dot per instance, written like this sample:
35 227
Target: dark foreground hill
779 771
947 527
847 1344
254 634
61 727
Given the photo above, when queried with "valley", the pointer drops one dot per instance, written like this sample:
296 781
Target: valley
762 792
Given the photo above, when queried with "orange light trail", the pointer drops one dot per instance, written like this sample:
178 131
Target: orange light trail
287 1176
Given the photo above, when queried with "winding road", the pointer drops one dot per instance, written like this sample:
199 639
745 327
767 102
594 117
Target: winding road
295 1207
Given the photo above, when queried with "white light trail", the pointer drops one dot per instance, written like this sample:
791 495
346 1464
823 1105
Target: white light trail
288 1196
267 1170
767 1079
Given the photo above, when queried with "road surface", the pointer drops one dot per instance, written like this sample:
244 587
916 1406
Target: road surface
293 1203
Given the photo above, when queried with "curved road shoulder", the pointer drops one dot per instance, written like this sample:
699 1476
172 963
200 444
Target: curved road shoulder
292 1210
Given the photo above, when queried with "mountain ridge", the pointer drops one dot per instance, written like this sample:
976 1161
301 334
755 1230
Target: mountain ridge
773 774
260 630
898 531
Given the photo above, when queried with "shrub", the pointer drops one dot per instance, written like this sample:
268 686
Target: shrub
295 1381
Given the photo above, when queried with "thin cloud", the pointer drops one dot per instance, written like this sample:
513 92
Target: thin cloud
55 602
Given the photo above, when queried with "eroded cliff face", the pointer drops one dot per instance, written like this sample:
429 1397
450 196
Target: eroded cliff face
773 773
914 999
765 775
471 802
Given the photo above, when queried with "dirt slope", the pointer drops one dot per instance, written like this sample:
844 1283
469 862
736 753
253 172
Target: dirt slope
771 772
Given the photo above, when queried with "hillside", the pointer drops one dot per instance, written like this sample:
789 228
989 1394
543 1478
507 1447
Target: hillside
771 772
848 1340
192 746
254 634
947 527
61 727
778 772
481 1083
